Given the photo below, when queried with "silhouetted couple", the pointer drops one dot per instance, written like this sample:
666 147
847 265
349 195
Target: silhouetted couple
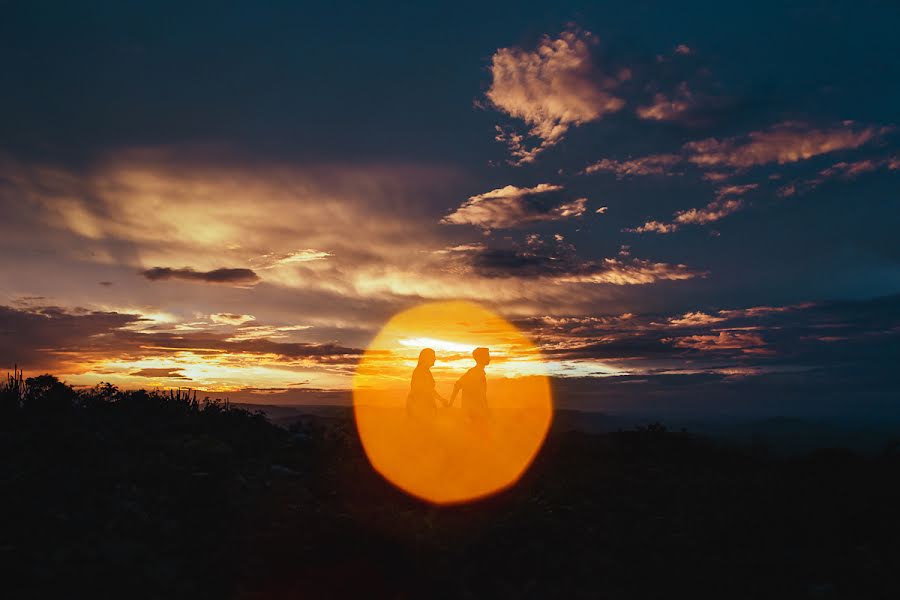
423 398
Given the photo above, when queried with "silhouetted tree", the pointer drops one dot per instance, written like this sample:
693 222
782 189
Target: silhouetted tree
46 393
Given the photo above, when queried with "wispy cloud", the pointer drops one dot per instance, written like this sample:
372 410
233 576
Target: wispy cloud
512 206
653 227
78 341
658 164
554 261
694 319
726 202
615 271
844 171
786 142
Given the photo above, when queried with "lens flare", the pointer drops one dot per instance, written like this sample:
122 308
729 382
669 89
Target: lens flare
460 422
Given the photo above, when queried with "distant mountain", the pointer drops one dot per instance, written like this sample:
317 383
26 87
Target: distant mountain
777 435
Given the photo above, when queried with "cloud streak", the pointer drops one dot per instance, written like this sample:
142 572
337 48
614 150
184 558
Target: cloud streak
556 262
842 171
512 206
659 164
725 203
784 143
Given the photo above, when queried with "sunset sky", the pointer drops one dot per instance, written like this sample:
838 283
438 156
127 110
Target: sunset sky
686 206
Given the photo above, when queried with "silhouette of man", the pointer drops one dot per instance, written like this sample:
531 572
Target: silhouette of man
473 385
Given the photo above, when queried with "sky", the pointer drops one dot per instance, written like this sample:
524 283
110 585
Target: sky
687 207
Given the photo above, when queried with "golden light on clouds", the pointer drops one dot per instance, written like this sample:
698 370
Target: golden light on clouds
451 454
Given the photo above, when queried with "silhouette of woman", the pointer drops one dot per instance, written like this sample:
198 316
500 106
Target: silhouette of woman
420 404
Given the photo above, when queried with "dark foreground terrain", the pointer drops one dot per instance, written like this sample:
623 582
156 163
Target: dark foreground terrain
110 494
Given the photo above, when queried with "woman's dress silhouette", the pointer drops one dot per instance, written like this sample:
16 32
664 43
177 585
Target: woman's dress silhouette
420 404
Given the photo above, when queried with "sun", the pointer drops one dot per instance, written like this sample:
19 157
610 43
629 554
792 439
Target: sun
449 455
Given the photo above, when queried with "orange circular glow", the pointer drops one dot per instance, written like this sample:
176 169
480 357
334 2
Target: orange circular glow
486 439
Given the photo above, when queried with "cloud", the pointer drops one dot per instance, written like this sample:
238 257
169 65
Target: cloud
694 319
556 262
163 372
552 88
658 164
724 204
784 143
735 190
141 210
653 227
223 275
43 337
683 49
715 210
715 176
231 318
844 171
665 108
723 340
615 271
74 341
732 342
273 259
511 206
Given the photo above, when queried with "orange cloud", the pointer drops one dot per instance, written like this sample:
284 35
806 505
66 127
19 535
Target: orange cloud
653 227
664 108
658 164
694 319
784 143
724 205
552 88
632 272
91 346
843 170
715 210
